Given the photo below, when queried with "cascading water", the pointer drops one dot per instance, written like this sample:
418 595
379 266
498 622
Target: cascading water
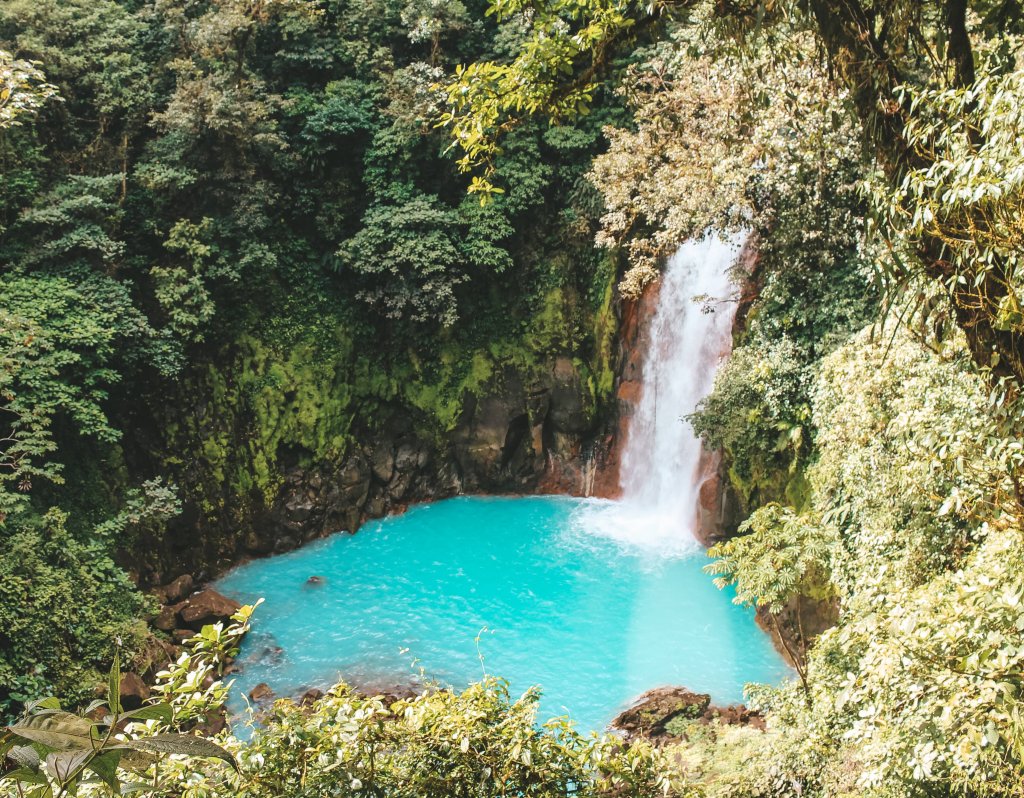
661 462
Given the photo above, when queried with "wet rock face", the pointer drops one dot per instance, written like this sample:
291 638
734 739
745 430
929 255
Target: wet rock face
268 483
372 481
515 436
719 513
490 443
569 412
528 436
661 715
633 343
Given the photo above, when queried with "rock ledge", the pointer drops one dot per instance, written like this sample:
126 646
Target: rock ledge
652 713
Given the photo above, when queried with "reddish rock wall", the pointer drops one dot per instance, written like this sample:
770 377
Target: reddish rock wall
717 514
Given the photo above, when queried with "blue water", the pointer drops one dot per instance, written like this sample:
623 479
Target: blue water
591 620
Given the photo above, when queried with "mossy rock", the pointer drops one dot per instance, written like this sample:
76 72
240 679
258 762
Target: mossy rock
651 714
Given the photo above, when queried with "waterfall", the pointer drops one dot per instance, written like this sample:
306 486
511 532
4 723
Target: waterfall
661 462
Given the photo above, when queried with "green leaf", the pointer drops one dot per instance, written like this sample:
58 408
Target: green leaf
58 731
25 776
40 791
161 712
136 786
67 765
105 766
186 744
43 703
114 684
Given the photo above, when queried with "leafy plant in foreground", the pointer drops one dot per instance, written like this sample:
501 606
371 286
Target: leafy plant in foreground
50 752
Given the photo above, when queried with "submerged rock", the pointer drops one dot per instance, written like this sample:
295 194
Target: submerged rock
661 714
270 654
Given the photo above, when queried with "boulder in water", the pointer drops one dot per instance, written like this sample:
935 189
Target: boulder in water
652 711
261 693
310 696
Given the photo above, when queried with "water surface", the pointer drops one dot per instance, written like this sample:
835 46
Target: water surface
593 620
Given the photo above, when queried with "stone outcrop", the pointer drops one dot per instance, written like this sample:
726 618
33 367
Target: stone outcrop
662 714
179 622
203 608
518 432
633 340
180 617
175 590
134 691
719 513
795 628
310 696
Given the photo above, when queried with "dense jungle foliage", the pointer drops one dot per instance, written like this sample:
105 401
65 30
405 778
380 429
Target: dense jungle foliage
243 210
192 185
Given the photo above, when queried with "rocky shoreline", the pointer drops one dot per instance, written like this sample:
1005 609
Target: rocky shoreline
662 715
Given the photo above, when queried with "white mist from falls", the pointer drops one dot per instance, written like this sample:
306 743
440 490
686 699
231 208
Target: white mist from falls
661 473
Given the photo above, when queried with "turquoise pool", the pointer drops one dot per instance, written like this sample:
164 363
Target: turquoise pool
519 587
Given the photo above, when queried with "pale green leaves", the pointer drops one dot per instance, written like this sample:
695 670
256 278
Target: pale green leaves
53 750
967 193
23 90
481 741
487 98
777 555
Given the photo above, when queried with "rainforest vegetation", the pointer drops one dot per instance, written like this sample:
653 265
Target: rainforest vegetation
240 239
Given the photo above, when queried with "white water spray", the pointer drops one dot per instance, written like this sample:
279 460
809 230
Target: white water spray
661 462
